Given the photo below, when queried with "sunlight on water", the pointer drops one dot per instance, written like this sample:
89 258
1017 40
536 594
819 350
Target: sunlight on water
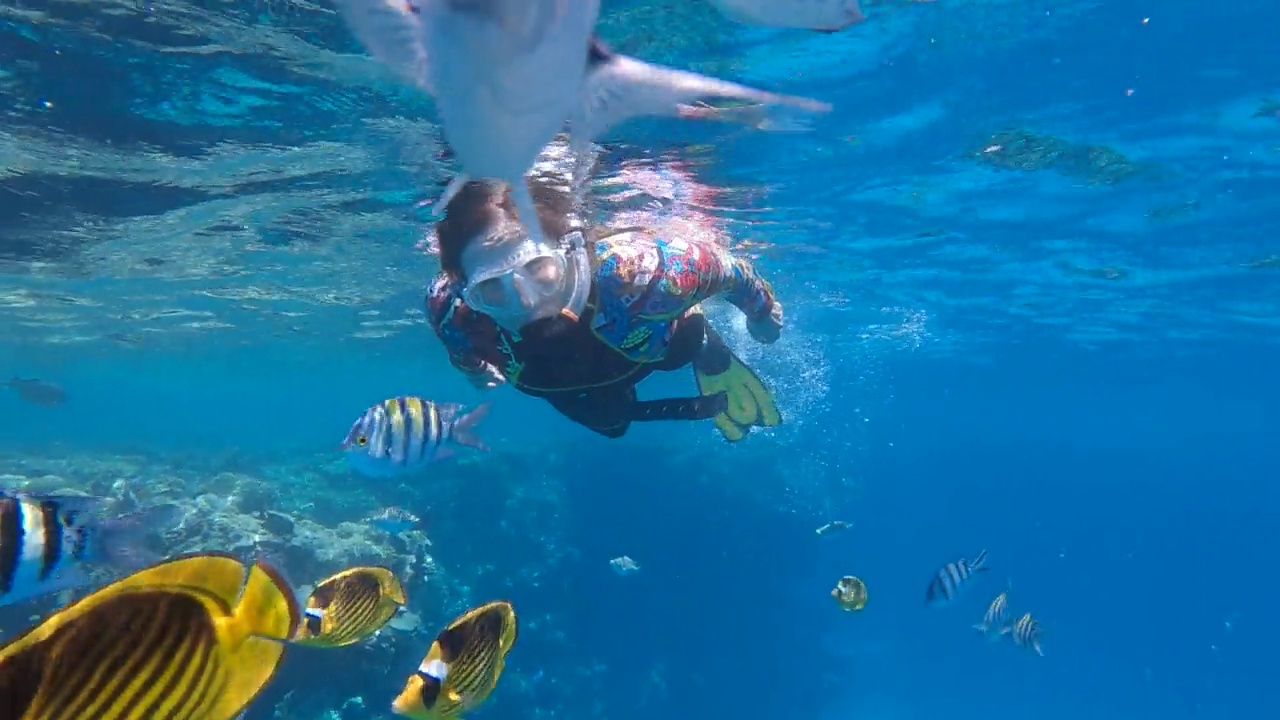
1032 290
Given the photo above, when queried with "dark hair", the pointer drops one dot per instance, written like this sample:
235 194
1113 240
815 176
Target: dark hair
482 204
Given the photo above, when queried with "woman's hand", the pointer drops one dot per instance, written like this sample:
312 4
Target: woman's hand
766 329
486 378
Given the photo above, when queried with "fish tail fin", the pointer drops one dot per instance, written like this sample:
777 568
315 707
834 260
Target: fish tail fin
255 633
267 608
1005 630
464 428
274 554
118 542
981 627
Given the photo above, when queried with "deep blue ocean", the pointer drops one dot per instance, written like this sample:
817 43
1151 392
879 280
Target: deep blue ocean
1031 268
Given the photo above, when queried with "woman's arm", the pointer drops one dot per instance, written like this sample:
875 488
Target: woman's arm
459 329
668 277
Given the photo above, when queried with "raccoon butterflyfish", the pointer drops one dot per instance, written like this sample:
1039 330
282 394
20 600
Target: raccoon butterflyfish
850 593
463 665
350 606
192 638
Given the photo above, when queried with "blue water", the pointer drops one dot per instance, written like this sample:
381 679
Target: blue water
207 236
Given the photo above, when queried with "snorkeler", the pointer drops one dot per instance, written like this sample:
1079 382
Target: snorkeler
581 322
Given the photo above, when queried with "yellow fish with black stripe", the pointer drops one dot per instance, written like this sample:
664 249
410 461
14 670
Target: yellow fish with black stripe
192 638
463 665
850 593
349 606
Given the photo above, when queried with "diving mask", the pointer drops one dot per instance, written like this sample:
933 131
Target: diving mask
532 281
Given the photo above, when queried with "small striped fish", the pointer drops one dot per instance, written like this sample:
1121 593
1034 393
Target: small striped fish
1026 634
953 578
46 541
993 625
393 520
403 434
188 639
463 665
350 606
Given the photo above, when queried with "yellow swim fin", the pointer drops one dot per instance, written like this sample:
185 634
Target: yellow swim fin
750 404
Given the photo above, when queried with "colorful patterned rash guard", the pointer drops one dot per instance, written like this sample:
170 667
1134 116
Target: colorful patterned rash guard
643 287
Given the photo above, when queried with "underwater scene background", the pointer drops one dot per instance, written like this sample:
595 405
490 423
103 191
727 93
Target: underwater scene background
1032 278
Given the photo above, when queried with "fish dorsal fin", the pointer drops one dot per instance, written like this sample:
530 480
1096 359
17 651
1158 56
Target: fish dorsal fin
218 574
478 625
364 582
979 563
389 585
496 623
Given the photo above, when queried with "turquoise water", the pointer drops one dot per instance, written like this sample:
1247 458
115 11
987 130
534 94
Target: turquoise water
1030 265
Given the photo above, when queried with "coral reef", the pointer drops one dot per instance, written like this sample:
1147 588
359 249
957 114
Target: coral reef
307 516
1018 149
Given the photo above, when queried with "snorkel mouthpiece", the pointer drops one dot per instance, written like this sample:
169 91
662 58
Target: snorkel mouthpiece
577 255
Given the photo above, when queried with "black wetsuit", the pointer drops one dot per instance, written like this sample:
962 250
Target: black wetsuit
592 384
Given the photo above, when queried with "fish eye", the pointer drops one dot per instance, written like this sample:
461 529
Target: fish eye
362 440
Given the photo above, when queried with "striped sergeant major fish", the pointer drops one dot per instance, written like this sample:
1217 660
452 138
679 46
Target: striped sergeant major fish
403 434
192 638
953 579
48 542
995 621
1026 634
